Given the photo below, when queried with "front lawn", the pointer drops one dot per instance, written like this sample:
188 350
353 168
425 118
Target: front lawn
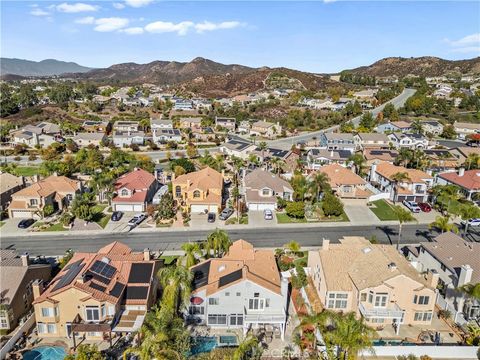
169 259
283 218
99 217
26 170
383 210
45 227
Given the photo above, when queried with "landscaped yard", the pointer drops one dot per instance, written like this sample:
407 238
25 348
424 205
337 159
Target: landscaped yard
100 218
53 227
26 170
383 210
283 218
233 220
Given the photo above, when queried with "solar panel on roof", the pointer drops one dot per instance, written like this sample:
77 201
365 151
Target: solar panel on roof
103 269
140 273
200 275
71 274
73 264
136 292
99 278
229 278
97 287
117 289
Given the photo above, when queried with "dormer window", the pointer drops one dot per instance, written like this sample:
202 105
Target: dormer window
266 192
124 192
196 194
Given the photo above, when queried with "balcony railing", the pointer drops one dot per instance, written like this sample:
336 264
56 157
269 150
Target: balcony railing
388 313
262 317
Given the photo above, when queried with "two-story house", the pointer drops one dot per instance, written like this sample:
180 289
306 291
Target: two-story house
457 263
371 140
190 123
161 136
9 184
409 141
92 126
97 294
414 188
464 129
337 141
394 126
262 188
228 124
265 129
377 155
237 147
183 104
467 181
161 124
17 274
83 139
316 158
344 182
242 290
125 126
127 138
134 190
244 127
375 281
57 191
199 191
433 127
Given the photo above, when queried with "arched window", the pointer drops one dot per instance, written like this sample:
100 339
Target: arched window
196 194
178 190
124 192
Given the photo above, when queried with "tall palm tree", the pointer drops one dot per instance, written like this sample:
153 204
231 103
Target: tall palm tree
248 348
218 241
442 223
319 183
403 215
176 282
417 126
397 179
468 212
404 157
472 162
191 251
103 185
359 162
262 146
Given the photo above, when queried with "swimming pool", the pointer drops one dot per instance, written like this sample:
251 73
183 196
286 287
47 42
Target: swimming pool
227 340
45 353
202 344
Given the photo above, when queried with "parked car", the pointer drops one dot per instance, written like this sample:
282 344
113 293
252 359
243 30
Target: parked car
225 214
211 217
117 215
267 214
137 219
471 222
25 223
425 207
412 206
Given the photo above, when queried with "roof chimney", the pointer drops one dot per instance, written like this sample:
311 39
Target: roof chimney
325 244
465 277
146 254
461 171
37 288
25 259
432 278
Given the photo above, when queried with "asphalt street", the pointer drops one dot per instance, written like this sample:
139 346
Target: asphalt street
57 244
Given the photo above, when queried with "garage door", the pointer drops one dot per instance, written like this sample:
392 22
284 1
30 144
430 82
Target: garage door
21 214
137 207
123 207
197 209
255 206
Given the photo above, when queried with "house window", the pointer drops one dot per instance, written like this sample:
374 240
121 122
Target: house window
3 323
381 300
215 319
337 301
124 192
103 310
42 328
265 192
178 191
213 301
363 297
92 313
256 294
227 294
49 312
370 297
51 328
69 197
196 194
256 304
33 202
236 319
423 316
238 294
443 267
421 300
196 310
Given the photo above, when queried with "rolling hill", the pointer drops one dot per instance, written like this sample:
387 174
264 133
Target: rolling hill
49 67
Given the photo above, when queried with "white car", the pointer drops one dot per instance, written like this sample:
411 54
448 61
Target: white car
267 214
137 219
412 206
471 222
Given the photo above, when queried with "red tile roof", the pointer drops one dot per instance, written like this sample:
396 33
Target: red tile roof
469 180
137 179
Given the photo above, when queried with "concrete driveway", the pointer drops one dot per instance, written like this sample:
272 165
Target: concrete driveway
11 227
358 211
199 221
256 219
424 217
121 225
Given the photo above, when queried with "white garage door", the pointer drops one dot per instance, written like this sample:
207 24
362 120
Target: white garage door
17 214
123 207
255 206
137 207
213 208
197 209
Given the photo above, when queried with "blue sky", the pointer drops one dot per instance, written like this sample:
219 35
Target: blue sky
313 36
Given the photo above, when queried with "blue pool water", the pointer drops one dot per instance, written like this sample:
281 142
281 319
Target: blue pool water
202 344
228 340
45 353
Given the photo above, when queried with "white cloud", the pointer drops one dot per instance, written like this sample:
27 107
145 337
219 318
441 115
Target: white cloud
76 8
467 44
110 24
329 1
138 3
118 6
39 12
180 28
133 31
209 26
85 20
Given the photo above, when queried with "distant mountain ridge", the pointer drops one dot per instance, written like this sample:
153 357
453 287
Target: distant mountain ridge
420 66
48 67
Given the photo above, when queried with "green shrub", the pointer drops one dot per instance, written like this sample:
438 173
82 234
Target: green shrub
332 206
295 209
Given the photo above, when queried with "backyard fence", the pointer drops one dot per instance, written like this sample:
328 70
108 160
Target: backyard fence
23 328
444 352
457 316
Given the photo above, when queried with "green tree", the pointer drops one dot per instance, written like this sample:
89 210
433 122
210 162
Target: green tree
296 209
467 212
248 348
320 183
48 210
300 187
186 164
403 215
443 224
262 146
176 282
367 121
472 290
293 246
358 161
331 205
397 179
166 208
86 352
217 241
191 250
448 132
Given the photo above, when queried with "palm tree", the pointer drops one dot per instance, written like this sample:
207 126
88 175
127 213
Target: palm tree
468 212
403 215
404 157
293 246
472 290
398 178
102 183
417 126
191 250
319 183
359 162
262 146
442 223
176 282
218 241
472 161
248 348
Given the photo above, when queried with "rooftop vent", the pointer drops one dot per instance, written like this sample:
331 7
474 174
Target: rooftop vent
392 266
366 250
221 268
106 260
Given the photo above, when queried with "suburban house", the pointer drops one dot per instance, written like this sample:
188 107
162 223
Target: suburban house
125 126
161 124
262 188
9 184
415 188
374 281
244 127
441 160
367 94
377 155
89 138
203 134
96 294
394 126
57 191
316 158
433 127
238 148
92 126
464 129
337 141
32 137
242 290
190 123
164 135
457 262
183 104
410 141
468 181
344 182
200 191
17 274
134 190
127 138
265 129
462 152
371 140
226 123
